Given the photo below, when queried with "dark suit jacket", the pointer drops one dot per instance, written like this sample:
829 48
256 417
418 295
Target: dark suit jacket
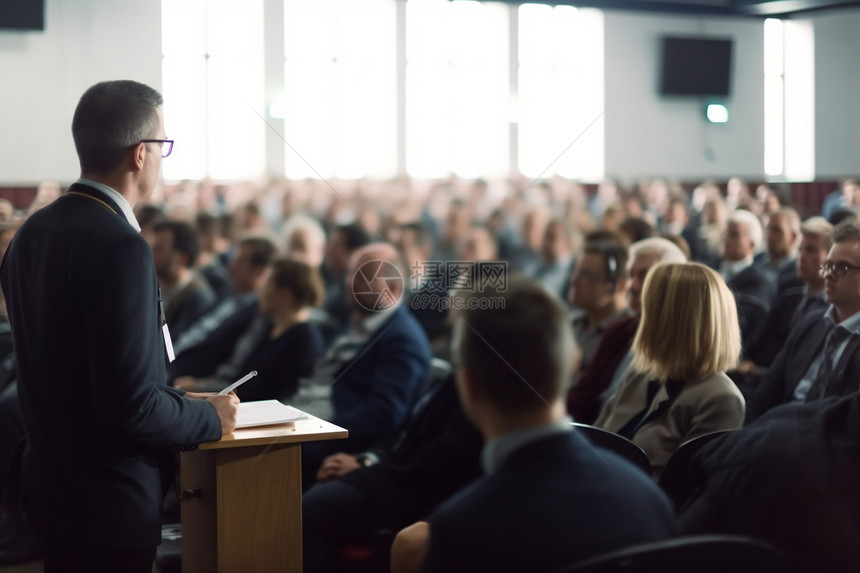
789 479
804 344
188 305
783 316
202 359
83 302
552 503
435 454
373 394
583 399
754 290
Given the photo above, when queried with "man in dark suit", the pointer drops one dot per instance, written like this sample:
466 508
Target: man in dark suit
186 295
753 287
793 302
213 337
84 307
549 498
820 357
372 375
393 484
789 479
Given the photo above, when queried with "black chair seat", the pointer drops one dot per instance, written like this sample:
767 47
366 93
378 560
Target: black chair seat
694 553
616 444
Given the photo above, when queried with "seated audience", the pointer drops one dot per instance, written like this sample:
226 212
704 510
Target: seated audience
793 303
305 240
676 388
343 241
425 287
371 376
212 245
561 242
394 484
205 344
782 239
753 287
789 479
598 292
185 294
820 357
548 498
614 355
281 344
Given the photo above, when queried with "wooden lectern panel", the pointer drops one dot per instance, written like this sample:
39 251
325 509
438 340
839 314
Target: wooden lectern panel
242 499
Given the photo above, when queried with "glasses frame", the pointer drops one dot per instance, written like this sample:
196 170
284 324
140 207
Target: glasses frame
162 142
831 268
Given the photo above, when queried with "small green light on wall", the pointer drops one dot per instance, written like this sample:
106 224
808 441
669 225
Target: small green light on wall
717 113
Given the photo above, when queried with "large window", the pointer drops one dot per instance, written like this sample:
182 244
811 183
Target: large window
213 88
378 88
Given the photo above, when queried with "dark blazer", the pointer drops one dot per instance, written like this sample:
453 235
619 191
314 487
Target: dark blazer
553 502
804 344
83 303
188 305
783 316
436 453
754 289
373 394
789 479
202 359
583 400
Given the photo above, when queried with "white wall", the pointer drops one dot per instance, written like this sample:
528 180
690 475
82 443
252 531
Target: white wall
649 135
837 93
45 73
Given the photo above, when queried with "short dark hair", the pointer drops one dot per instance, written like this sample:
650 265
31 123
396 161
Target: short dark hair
112 117
299 278
263 250
637 229
423 236
354 236
185 239
848 230
519 351
149 215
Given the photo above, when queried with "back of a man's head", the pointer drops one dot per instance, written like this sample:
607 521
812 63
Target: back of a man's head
111 117
516 345
185 240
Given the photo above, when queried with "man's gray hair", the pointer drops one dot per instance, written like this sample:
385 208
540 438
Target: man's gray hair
111 118
669 252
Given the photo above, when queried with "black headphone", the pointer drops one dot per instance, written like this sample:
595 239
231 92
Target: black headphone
612 270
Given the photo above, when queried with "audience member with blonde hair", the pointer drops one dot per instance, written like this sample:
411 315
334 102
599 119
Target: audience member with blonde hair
677 388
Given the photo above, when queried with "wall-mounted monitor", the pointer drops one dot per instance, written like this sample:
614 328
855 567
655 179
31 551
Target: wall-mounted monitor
695 66
22 15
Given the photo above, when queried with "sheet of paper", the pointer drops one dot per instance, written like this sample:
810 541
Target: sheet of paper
266 412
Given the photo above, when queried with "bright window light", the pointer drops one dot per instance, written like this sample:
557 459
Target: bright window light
213 88
457 88
339 106
774 97
560 92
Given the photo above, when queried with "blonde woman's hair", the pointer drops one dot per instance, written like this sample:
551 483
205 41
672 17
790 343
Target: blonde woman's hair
689 328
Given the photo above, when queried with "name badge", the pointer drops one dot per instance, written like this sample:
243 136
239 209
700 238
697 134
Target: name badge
168 344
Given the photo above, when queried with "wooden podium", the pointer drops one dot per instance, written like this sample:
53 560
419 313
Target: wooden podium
242 499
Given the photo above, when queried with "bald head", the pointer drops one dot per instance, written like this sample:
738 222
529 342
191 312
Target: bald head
375 269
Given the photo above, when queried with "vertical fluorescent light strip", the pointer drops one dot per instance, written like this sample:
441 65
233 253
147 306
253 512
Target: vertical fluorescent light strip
799 100
774 97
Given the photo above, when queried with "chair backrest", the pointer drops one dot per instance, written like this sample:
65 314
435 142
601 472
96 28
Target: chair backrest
699 553
676 480
616 444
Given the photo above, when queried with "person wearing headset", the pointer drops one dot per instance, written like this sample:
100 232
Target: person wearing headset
598 292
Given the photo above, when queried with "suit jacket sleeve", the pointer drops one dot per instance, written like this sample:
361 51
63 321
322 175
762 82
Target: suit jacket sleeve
396 374
125 354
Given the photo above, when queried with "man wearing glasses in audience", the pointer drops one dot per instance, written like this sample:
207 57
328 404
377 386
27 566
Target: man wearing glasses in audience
820 357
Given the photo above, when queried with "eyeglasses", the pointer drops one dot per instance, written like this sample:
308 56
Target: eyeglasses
838 270
166 145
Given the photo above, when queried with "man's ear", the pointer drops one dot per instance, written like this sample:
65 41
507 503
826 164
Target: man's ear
137 155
